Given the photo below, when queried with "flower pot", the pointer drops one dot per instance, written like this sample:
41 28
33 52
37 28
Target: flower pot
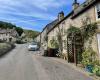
89 68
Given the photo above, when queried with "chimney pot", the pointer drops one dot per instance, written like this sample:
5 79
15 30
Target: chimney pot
75 5
60 16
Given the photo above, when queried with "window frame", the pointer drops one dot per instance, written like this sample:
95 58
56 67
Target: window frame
97 12
98 42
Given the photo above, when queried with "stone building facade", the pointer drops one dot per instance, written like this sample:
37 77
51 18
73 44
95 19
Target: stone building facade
37 38
89 9
8 35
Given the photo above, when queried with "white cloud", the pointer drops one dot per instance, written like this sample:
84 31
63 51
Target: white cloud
42 4
22 11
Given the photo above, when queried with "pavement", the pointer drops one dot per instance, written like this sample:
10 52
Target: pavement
21 64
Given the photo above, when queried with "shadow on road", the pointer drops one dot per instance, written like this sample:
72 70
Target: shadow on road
4 54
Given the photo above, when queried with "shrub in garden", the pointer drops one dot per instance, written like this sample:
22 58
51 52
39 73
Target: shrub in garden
90 62
96 70
89 59
89 56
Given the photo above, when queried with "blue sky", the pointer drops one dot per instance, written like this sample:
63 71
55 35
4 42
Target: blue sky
33 14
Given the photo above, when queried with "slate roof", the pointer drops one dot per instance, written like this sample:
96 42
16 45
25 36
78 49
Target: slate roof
4 31
51 25
83 7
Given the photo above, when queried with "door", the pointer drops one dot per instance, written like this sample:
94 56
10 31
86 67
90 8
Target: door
10 39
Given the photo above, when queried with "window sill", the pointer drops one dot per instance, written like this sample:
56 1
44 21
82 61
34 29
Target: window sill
98 19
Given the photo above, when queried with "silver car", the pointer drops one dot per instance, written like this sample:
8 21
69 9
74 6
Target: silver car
33 47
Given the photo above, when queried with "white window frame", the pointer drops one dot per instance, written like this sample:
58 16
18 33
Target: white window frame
96 12
98 43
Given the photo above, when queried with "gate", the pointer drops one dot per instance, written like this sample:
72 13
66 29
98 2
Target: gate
74 47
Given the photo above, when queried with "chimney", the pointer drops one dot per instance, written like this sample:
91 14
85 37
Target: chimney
60 16
75 5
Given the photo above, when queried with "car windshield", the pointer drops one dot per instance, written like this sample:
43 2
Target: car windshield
34 43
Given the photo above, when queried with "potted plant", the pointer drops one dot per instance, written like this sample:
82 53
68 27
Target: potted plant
96 68
88 59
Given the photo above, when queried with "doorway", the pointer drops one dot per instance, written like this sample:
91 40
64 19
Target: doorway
10 39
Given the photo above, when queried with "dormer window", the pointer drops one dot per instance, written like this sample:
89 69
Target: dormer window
98 10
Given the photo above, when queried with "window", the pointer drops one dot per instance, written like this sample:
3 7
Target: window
98 10
98 38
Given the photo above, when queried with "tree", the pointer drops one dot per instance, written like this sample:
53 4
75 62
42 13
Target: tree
19 30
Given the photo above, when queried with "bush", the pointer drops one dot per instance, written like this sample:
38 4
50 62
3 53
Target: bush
12 45
96 70
53 43
90 62
88 57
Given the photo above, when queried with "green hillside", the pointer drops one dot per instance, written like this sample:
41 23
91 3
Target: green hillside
31 33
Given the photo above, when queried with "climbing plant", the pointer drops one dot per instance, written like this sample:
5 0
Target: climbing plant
73 30
53 43
46 38
74 44
60 40
88 30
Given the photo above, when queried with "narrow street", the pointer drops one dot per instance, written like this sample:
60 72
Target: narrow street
21 64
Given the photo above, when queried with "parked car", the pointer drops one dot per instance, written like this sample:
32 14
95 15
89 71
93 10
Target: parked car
33 46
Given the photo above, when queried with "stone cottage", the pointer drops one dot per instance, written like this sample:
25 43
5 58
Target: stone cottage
44 35
89 11
37 38
8 35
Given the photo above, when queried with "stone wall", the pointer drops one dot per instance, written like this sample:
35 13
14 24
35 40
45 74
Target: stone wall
6 48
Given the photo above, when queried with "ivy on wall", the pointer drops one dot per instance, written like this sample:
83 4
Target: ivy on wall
73 30
46 38
89 30
53 43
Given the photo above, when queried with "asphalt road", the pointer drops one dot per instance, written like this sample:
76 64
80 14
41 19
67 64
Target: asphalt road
21 64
